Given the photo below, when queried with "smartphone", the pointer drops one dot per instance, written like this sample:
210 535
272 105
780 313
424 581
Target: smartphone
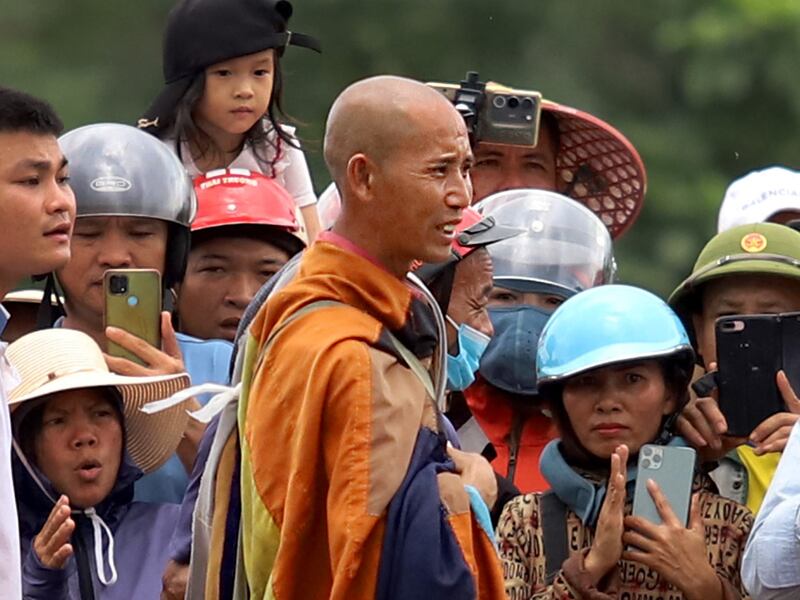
494 113
510 116
749 356
672 468
790 355
133 303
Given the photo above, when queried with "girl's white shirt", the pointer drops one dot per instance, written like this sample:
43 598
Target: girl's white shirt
290 170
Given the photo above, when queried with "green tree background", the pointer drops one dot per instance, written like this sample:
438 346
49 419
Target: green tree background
706 91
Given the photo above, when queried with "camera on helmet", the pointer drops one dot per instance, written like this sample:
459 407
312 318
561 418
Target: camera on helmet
494 113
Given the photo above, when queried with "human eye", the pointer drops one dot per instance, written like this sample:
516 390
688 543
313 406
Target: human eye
486 163
53 421
634 377
582 381
502 296
535 165
211 267
262 72
31 181
554 301
221 72
86 232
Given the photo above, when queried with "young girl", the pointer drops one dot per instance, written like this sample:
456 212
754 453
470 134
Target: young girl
614 363
222 102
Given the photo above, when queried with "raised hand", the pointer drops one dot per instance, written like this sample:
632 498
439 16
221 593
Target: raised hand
166 360
52 543
606 548
772 433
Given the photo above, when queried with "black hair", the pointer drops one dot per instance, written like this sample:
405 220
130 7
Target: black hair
21 112
677 373
182 127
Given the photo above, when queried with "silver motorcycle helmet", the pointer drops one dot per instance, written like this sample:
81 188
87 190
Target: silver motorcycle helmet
564 247
118 170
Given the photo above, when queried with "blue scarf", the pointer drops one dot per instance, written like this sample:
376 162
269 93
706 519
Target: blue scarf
581 495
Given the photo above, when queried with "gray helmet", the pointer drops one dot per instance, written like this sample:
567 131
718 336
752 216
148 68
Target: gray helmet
118 170
565 248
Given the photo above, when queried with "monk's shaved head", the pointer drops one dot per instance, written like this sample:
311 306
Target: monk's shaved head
400 156
375 116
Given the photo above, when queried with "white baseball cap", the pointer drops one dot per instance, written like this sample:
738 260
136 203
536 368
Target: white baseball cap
757 196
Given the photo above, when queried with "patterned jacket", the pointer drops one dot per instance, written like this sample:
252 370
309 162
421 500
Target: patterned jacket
520 540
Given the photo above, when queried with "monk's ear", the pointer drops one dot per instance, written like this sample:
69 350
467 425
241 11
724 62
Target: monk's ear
361 177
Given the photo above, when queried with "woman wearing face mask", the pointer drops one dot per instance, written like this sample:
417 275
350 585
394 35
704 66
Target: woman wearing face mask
565 248
614 363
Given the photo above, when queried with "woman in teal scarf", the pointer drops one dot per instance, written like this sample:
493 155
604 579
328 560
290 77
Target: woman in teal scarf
614 363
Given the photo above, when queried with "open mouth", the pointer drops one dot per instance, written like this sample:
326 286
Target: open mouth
89 469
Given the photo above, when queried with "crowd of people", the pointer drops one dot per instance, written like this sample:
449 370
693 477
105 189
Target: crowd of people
427 384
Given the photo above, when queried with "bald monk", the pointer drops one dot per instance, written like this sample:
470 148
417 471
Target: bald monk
347 492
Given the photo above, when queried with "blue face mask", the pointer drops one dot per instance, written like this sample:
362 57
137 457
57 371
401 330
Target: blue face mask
510 360
471 346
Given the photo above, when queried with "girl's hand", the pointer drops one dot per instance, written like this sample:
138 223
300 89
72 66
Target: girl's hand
678 554
606 548
166 361
52 545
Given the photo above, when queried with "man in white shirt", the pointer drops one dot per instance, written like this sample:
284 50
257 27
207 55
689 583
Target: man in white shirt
771 565
37 210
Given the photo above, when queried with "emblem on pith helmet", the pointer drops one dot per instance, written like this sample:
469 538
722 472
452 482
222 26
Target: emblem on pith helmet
754 242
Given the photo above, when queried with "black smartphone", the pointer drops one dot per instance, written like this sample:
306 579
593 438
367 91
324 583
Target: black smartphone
749 356
790 339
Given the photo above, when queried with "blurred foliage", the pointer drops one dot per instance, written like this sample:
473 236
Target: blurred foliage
706 91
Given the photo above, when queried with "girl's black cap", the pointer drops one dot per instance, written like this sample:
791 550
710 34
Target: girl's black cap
201 33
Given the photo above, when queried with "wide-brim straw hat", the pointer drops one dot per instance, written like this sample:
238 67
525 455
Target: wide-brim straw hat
599 167
56 360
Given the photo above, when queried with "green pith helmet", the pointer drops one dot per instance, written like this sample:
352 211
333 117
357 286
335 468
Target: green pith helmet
757 249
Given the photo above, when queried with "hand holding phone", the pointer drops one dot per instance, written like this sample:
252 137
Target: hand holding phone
141 340
676 551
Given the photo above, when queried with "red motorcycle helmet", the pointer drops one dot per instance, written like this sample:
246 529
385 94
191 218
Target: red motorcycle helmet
238 197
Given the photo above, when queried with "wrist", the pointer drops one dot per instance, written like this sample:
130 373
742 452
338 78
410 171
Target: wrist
595 566
708 587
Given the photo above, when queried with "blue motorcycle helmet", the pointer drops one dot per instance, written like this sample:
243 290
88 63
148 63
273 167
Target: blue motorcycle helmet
564 248
609 325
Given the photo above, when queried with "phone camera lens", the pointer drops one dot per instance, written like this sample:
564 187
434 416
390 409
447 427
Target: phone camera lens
513 102
656 458
499 101
527 104
646 464
118 284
